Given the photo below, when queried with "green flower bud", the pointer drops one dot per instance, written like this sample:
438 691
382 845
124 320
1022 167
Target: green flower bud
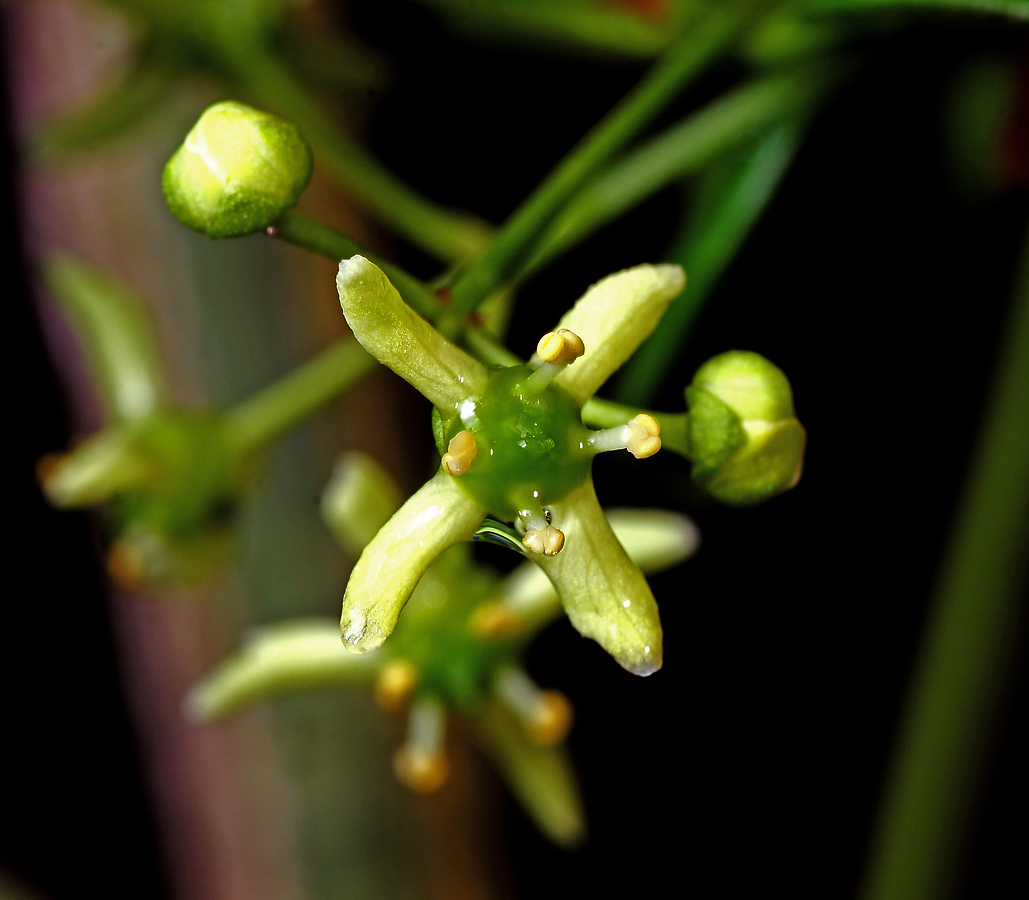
745 441
238 170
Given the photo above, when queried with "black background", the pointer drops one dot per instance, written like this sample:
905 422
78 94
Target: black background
870 281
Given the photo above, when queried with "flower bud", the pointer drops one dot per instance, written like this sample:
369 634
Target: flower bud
745 441
238 170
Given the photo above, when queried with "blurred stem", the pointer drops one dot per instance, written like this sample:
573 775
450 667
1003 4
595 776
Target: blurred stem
659 86
283 405
573 27
1018 9
731 199
598 413
686 147
127 105
966 649
447 234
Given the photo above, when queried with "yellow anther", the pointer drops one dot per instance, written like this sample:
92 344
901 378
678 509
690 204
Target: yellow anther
461 452
421 771
561 346
646 436
493 619
547 541
551 720
396 682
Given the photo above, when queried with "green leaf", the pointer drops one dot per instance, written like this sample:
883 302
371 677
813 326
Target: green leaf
696 141
397 337
731 199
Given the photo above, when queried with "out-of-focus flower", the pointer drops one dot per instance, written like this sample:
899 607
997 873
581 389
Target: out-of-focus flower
168 479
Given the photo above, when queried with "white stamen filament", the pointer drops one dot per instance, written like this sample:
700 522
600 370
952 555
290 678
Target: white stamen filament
641 436
518 692
426 725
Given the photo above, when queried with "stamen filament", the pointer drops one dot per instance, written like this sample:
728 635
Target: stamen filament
540 536
546 716
421 763
557 349
641 436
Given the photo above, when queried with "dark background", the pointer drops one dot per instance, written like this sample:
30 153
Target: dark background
871 281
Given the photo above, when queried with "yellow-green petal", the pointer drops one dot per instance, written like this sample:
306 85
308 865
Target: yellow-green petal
116 334
358 500
106 464
602 590
398 337
613 317
438 516
655 540
283 659
541 778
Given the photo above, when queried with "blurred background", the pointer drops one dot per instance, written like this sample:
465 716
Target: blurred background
878 279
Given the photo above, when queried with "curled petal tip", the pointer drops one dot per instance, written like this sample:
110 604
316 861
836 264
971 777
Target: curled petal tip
359 636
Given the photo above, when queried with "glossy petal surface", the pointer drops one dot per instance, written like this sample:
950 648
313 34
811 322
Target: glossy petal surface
436 517
613 318
603 591
398 337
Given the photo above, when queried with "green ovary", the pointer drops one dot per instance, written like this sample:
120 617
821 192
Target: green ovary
530 447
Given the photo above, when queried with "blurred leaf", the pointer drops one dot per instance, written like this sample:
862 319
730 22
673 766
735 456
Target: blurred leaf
731 198
1018 9
976 118
116 333
684 148
122 108
576 25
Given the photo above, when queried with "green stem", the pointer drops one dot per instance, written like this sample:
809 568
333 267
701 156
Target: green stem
966 649
444 233
335 245
683 149
286 403
598 413
661 84
731 199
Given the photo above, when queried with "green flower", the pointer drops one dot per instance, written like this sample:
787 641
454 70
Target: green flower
168 479
457 651
513 446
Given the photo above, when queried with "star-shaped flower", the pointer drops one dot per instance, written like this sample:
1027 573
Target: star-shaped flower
457 653
513 446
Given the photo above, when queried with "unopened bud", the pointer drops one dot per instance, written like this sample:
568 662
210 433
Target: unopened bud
745 442
238 170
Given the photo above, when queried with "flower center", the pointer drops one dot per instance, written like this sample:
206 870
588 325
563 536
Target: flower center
530 443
